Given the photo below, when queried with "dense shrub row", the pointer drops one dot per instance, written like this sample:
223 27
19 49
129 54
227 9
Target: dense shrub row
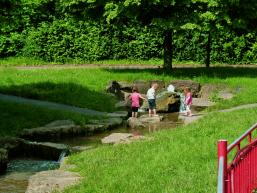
39 30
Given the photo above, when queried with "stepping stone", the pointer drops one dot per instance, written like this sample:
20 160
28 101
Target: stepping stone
188 120
143 121
116 138
52 181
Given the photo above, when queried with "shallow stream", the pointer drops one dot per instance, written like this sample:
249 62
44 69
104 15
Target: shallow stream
16 178
18 172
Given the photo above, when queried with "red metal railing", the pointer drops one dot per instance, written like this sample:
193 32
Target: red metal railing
240 175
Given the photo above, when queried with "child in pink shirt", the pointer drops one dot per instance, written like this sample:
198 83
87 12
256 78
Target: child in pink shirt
188 101
135 99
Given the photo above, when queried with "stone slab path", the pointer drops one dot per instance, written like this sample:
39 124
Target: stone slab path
121 66
195 117
58 106
247 106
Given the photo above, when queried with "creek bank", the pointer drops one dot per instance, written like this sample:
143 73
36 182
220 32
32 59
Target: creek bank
66 129
25 146
11 148
167 101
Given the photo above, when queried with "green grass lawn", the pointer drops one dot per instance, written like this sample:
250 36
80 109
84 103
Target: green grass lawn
16 117
86 87
182 160
179 160
24 61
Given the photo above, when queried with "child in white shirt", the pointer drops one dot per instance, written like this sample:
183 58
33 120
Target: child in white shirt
151 96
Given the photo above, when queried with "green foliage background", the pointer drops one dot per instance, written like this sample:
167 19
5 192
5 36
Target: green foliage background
59 31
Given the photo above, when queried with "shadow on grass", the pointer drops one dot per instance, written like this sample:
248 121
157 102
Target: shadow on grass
16 117
213 72
65 93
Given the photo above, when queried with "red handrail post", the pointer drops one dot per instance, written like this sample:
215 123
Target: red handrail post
222 155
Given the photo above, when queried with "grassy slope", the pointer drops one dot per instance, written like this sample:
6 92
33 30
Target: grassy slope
175 161
15 117
72 87
85 87
169 163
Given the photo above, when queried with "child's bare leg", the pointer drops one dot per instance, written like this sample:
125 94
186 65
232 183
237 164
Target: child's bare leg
154 112
133 114
136 113
150 112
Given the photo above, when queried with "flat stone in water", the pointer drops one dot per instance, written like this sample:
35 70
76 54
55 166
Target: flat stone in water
19 171
116 138
143 121
16 182
188 120
51 181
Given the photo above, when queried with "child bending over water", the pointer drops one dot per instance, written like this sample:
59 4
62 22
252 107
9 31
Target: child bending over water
135 98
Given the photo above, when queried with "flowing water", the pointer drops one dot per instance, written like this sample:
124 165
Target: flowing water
170 120
16 178
18 172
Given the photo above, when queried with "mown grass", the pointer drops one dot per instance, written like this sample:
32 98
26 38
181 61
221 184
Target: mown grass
16 117
69 87
180 160
25 61
175 161
86 87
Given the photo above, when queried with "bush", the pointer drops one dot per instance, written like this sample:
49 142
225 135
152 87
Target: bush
55 31
65 40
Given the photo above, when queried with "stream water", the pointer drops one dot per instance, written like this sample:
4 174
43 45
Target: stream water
16 178
170 120
18 172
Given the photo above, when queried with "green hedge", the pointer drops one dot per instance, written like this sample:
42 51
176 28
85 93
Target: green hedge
40 29
64 40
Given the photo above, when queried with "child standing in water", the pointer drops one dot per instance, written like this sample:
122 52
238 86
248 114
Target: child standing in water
152 99
135 98
188 101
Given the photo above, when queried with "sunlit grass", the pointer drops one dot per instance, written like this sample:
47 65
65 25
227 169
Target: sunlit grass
86 87
180 160
175 161
25 61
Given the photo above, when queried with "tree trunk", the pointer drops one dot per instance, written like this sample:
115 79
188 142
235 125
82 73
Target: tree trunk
208 51
168 52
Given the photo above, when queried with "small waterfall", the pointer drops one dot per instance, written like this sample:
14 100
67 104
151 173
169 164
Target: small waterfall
61 157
